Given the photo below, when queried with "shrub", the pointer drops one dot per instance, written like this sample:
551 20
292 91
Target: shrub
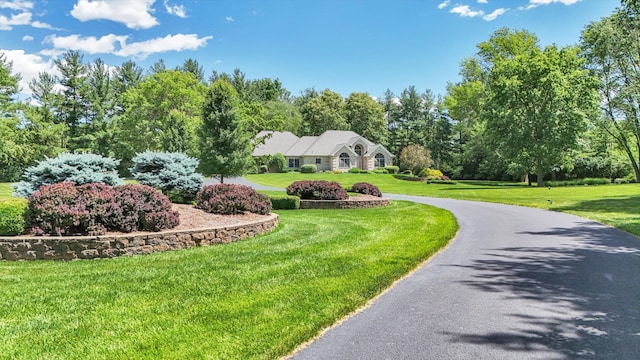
172 173
278 163
366 188
143 208
354 170
407 177
431 173
232 199
407 172
317 190
12 216
381 171
392 169
93 209
308 168
285 202
263 169
577 182
77 168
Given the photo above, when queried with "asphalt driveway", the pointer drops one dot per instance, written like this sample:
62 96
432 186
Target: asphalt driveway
516 283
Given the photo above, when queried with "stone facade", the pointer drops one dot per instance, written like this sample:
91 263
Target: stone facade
351 203
108 246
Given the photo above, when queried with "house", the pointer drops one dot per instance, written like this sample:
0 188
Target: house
333 150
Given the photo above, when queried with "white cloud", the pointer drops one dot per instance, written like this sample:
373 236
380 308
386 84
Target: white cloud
444 4
117 45
90 44
495 14
135 14
177 10
23 18
28 65
536 3
229 19
178 42
27 38
465 11
41 25
16 4
483 2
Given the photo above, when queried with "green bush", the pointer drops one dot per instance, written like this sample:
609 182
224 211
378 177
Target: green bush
278 163
431 173
392 169
308 168
12 216
354 170
285 202
381 171
578 182
263 169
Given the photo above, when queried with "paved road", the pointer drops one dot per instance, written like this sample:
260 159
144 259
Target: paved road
516 283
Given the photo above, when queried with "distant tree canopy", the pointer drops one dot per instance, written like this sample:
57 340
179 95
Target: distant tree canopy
519 110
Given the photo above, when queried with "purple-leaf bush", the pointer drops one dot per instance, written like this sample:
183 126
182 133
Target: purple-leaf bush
95 208
366 188
317 190
228 199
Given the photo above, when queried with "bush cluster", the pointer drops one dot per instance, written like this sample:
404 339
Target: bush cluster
77 168
366 188
232 199
392 169
173 173
431 174
587 181
285 202
317 190
93 209
308 168
12 216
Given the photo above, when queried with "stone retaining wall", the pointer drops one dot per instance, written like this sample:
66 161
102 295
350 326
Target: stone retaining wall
352 203
108 246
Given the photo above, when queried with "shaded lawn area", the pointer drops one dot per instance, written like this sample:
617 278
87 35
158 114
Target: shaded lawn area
615 205
254 299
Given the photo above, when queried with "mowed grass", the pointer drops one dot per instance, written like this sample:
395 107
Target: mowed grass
255 299
615 205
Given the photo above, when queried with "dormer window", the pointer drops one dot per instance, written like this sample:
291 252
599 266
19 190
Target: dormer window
358 150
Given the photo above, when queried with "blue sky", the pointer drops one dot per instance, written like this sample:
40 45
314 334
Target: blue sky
344 45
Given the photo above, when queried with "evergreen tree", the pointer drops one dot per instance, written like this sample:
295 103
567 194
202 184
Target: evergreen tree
224 143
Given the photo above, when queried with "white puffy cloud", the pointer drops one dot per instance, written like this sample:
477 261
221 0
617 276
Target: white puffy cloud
27 38
135 14
178 42
444 4
7 23
89 44
465 11
229 19
483 2
495 14
177 10
21 5
28 65
117 45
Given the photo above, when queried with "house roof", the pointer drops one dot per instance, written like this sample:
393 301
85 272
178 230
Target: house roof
327 144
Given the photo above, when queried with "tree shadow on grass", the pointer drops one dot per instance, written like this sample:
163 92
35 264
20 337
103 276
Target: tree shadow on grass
626 205
589 287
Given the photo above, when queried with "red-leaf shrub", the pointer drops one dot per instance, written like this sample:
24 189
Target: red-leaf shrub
317 190
232 199
144 208
95 208
366 188
67 209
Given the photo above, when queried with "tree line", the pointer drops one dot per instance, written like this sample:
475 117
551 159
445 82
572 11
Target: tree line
520 111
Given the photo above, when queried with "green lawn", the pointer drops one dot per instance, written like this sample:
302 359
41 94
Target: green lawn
258 298
616 205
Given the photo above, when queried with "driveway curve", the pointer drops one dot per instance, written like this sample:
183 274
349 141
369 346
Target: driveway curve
516 283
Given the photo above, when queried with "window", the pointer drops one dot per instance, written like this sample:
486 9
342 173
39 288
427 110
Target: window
380 160
344 161
358 150
318 161
294 163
